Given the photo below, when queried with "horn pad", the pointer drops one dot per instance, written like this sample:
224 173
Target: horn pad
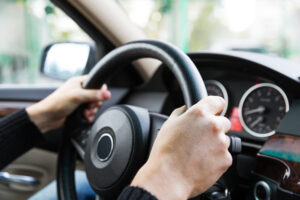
116 148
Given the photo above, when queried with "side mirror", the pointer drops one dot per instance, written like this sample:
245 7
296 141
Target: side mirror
67 59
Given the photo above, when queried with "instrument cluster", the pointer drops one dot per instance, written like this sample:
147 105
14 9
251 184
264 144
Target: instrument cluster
260 109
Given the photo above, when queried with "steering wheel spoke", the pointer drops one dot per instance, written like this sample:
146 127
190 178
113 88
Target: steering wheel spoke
80 141
156 122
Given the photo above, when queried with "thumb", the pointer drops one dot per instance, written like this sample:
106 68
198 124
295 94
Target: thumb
178 111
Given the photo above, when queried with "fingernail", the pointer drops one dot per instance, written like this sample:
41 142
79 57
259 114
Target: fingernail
104 87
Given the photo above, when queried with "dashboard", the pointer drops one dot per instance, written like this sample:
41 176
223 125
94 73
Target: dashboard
259 90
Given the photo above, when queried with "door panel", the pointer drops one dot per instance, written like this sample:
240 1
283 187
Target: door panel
36 163
7 107
37 167
24 93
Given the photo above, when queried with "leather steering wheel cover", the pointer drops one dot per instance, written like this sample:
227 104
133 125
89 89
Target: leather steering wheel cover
180 64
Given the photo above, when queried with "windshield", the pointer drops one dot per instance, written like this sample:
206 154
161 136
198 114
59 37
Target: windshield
264 26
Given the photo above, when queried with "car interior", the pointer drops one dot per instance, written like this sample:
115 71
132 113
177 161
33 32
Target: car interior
148 79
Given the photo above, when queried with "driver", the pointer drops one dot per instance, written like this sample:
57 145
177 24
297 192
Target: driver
189 155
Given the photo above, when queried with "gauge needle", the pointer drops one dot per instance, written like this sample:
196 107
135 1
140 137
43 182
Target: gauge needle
260 109
258 120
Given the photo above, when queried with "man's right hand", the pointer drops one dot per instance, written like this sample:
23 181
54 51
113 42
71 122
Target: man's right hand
190 152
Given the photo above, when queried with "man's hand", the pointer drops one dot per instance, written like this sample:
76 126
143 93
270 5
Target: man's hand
190 152
51 112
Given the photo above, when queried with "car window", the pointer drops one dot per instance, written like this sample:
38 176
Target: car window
26 28
264 26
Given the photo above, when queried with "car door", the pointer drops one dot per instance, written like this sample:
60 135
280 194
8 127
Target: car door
29 27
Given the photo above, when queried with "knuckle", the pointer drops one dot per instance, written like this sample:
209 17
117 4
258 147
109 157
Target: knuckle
226 162
215 125
228 159
75 98
220 100
227 122
216 100
198 111
222 143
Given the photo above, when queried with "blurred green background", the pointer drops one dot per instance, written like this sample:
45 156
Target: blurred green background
264 26
27 26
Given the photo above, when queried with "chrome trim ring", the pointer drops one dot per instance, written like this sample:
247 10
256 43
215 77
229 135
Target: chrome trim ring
266 188
245 95
111 148
224 92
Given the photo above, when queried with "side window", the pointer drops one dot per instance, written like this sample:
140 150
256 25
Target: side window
26 28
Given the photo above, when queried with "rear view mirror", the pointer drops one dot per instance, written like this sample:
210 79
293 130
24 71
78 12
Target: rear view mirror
64 60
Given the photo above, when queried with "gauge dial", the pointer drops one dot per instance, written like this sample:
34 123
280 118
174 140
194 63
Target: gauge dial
261 109
215 88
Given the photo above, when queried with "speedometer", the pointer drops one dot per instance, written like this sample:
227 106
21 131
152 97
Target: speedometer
261 109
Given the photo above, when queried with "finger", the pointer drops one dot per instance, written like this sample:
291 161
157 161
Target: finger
99 103
90 112
79 79
224 141
178 111
103 87
91 95
93 105
93 111
90 119
105 91
227 141
209 105
106 94
83 77
224 123
86 114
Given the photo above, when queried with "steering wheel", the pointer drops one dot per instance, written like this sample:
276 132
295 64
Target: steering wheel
119 141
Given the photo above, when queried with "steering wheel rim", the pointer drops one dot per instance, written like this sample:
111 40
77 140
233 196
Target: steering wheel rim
189 79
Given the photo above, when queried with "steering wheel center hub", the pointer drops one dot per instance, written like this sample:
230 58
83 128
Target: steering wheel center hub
115 146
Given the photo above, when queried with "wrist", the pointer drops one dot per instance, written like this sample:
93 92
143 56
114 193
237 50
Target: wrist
163 181
40 116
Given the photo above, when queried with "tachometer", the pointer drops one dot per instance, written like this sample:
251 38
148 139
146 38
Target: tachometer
261 109
215 88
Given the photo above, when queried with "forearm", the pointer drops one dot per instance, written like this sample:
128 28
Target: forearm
17 135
